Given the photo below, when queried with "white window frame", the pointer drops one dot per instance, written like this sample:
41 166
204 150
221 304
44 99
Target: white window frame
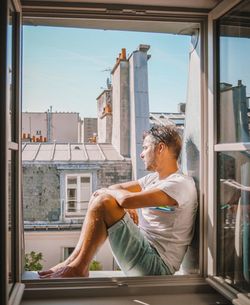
79 213
10 143
194 280
213 148
190 18
208 249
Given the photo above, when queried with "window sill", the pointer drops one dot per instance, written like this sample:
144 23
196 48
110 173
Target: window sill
124 291
114 286
32 275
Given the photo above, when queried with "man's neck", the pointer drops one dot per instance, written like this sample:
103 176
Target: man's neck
167 171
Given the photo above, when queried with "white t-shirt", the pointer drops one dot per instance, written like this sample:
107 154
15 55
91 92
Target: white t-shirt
170 229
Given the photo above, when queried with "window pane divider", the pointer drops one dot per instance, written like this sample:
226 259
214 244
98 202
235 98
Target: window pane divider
241 146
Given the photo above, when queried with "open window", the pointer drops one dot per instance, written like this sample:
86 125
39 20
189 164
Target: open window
10 39
221 244
65 165
232 153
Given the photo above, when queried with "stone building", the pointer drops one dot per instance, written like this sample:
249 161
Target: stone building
58 180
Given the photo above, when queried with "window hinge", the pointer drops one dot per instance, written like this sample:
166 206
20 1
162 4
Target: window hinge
126 11
134 12
122 284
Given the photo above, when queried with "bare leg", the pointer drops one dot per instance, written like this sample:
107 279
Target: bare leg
102 213
73 255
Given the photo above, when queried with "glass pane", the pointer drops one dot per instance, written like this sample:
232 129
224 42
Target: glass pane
72 193
71 206
85 179
85 189
72 181
10 76
233 218
234 77
67 251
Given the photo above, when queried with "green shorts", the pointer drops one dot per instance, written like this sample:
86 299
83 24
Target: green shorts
133 252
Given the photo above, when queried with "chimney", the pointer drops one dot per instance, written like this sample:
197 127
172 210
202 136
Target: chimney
144 48
123 55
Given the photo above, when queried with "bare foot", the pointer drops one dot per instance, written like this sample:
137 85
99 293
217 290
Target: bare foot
45 272
57 267
53 269
66 271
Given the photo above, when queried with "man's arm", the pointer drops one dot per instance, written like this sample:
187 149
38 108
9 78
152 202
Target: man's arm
134 200
131 186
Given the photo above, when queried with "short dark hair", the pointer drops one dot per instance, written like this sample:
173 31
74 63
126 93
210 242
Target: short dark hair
168 135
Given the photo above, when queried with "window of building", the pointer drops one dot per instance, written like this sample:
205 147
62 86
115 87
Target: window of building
66 252
78 192
233 148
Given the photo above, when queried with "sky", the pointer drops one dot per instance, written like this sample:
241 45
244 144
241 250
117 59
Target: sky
67 68
234 54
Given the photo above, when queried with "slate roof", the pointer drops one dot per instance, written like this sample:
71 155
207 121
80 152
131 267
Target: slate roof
69 152
177 119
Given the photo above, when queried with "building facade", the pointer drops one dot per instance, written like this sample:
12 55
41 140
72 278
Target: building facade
58 181
50 126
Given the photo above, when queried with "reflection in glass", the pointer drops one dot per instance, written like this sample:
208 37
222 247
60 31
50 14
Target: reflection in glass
10 235
234 78
10 76
233 218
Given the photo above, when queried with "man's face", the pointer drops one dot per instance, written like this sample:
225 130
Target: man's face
148 154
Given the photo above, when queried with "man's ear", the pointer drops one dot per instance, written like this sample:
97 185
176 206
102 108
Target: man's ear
161 147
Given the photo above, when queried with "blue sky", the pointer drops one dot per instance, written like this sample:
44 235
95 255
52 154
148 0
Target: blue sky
64 67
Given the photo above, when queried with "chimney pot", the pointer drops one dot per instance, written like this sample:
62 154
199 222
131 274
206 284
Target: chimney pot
123 53
144 47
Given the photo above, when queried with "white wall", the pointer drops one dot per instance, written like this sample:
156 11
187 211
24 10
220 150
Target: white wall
34 121
64 126
51 244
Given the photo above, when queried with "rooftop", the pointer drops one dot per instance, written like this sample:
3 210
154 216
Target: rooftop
69 152
167 118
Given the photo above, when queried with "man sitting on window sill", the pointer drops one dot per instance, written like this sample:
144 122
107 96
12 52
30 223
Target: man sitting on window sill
152 241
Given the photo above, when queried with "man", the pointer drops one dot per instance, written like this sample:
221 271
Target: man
154 241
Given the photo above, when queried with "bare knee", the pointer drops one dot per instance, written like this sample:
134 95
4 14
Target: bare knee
106 207
102 201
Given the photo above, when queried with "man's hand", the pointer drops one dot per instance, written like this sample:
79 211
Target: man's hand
133 215
99 192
